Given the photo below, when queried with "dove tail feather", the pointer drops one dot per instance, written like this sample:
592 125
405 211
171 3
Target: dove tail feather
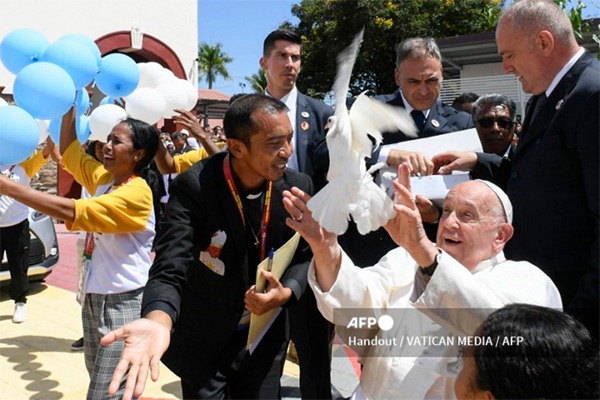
327 207
375 208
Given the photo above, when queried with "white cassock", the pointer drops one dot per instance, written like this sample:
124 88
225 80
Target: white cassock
452 304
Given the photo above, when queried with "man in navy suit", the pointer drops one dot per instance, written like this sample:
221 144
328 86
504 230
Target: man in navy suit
282 61
553 177
418 74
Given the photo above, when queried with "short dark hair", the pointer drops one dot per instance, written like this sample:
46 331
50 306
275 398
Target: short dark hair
91 149
279 34
495 100
177 135
557 359
467 97
239 122
417 48
143 136
235 97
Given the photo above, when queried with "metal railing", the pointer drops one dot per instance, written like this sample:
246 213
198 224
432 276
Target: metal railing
501 84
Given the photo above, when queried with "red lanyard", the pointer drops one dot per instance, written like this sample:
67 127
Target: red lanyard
88 247
266 216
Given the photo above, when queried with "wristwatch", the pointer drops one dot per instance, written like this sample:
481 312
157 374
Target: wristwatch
428 271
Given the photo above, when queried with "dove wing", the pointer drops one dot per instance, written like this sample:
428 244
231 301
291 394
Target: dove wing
372 117
345 63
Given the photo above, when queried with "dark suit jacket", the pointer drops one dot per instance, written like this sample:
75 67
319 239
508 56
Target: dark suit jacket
447 119
552 181
205 306
367 250
315 113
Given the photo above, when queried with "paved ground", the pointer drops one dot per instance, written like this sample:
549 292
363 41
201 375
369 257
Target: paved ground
35 357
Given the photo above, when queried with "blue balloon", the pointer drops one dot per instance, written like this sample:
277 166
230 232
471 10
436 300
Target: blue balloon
75 58
85 41
119 75
54 129
19 135
82 127
44 90
82 102
22 47
111 100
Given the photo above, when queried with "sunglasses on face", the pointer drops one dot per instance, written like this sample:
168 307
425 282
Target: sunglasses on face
503 123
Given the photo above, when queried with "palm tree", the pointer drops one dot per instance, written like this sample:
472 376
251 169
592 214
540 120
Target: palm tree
212 62
258 81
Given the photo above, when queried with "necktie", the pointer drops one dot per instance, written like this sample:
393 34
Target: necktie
539 103
419 119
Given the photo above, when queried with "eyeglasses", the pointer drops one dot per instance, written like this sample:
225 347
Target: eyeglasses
503 123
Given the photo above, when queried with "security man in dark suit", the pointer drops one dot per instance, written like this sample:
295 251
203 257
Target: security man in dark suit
281 61
224 215
553 178
418 74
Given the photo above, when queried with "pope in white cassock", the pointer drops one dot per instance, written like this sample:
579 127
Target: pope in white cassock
452 286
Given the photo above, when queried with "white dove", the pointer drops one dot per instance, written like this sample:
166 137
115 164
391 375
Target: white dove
351 190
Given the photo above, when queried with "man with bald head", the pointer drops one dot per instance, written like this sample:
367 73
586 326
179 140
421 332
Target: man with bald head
553 176
441 291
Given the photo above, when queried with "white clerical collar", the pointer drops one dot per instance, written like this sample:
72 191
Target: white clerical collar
409 108
564 71
490 262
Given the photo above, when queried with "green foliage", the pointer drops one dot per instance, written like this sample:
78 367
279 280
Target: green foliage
257 81
212 63
327 26
576 17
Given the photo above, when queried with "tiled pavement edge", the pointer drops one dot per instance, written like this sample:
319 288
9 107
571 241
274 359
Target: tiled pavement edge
36 361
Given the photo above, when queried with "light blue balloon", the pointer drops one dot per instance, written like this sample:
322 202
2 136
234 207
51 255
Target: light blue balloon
44 90
82 127
54 129
82 102
87 42
119 75
19 135
111 100
75 58
22 47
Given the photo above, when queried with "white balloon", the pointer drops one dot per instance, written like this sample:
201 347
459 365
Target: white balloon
192 94
3 102
146 104
44 126
174 95
103 119
150 73
165 75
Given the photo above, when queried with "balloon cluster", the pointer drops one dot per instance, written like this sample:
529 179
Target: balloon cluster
52 77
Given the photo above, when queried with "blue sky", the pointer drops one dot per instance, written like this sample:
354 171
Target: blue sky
242 25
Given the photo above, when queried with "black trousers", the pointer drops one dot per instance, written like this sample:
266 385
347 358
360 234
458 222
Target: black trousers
312 335
239 375
15 241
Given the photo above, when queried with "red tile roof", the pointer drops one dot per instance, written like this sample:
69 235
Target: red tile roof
212 94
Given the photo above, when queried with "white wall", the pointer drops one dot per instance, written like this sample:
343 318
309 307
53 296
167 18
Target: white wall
174 22
479 70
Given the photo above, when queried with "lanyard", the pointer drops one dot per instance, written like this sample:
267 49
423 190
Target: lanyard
266 216
88 247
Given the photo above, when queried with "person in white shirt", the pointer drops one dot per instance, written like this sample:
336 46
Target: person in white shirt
445 290
14 227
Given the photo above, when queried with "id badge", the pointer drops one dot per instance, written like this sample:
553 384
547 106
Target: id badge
83 280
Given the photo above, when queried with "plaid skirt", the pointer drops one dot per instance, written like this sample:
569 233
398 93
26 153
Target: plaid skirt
102 313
